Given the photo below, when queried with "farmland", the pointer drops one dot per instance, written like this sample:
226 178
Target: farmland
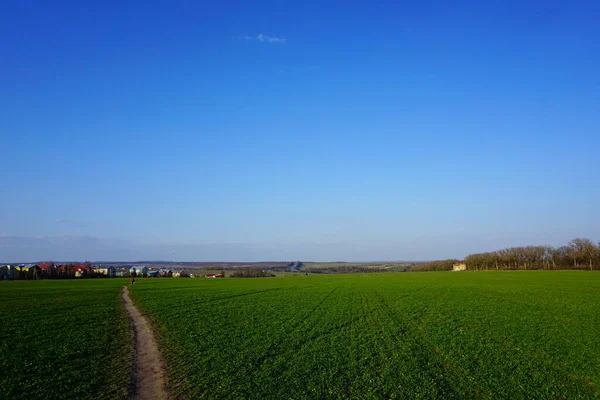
430 335
518 334
64 339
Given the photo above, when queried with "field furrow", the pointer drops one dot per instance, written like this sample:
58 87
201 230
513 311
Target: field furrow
488 335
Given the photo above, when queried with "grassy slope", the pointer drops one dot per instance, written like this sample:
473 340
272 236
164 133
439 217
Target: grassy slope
429 335
64 339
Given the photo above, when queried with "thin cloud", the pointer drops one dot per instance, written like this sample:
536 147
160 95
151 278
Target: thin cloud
266 38
270 39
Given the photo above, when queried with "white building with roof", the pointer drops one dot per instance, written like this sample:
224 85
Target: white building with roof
139 270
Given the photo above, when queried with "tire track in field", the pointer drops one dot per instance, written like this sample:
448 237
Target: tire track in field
384 341
148 372
537 353
467 379
272 353
422 348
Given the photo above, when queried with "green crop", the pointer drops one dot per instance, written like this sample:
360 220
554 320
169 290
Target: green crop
64 340
489 335
421 335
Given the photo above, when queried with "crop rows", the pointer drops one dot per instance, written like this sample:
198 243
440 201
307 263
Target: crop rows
437 335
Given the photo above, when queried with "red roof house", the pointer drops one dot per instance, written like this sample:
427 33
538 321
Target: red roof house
45 266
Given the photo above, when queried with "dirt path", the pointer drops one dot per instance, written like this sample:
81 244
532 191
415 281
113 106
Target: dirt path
149 376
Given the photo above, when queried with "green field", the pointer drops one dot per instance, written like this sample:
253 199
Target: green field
533 334
413 335
64 339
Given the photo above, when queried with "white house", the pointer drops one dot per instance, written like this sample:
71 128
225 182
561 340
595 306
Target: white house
176 274
165 272
459 266
111 272
139 270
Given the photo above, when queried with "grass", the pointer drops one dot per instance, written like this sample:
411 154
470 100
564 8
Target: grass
429 335
64 339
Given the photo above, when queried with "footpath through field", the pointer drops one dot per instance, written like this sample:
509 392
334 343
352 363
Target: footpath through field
149 376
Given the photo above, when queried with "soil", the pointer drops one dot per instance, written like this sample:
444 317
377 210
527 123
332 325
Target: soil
148 367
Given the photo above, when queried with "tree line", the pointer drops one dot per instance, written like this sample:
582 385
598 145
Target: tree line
439 265
579 253
251 273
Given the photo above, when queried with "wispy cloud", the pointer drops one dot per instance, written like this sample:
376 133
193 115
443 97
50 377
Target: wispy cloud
266 38
71 223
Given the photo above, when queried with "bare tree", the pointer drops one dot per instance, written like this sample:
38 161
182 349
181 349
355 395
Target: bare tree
577 253
582 250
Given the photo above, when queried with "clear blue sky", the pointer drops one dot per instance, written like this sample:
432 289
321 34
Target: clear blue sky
296 130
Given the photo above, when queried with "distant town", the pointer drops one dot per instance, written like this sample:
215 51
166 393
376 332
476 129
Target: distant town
50 270
162 269
579 253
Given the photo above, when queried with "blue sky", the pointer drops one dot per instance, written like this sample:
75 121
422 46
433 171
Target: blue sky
296 130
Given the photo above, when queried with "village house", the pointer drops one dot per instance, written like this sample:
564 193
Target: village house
75 270
139 271
109 271
48 269
23 268
9 272
459 266
81 270
165 272
29 271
